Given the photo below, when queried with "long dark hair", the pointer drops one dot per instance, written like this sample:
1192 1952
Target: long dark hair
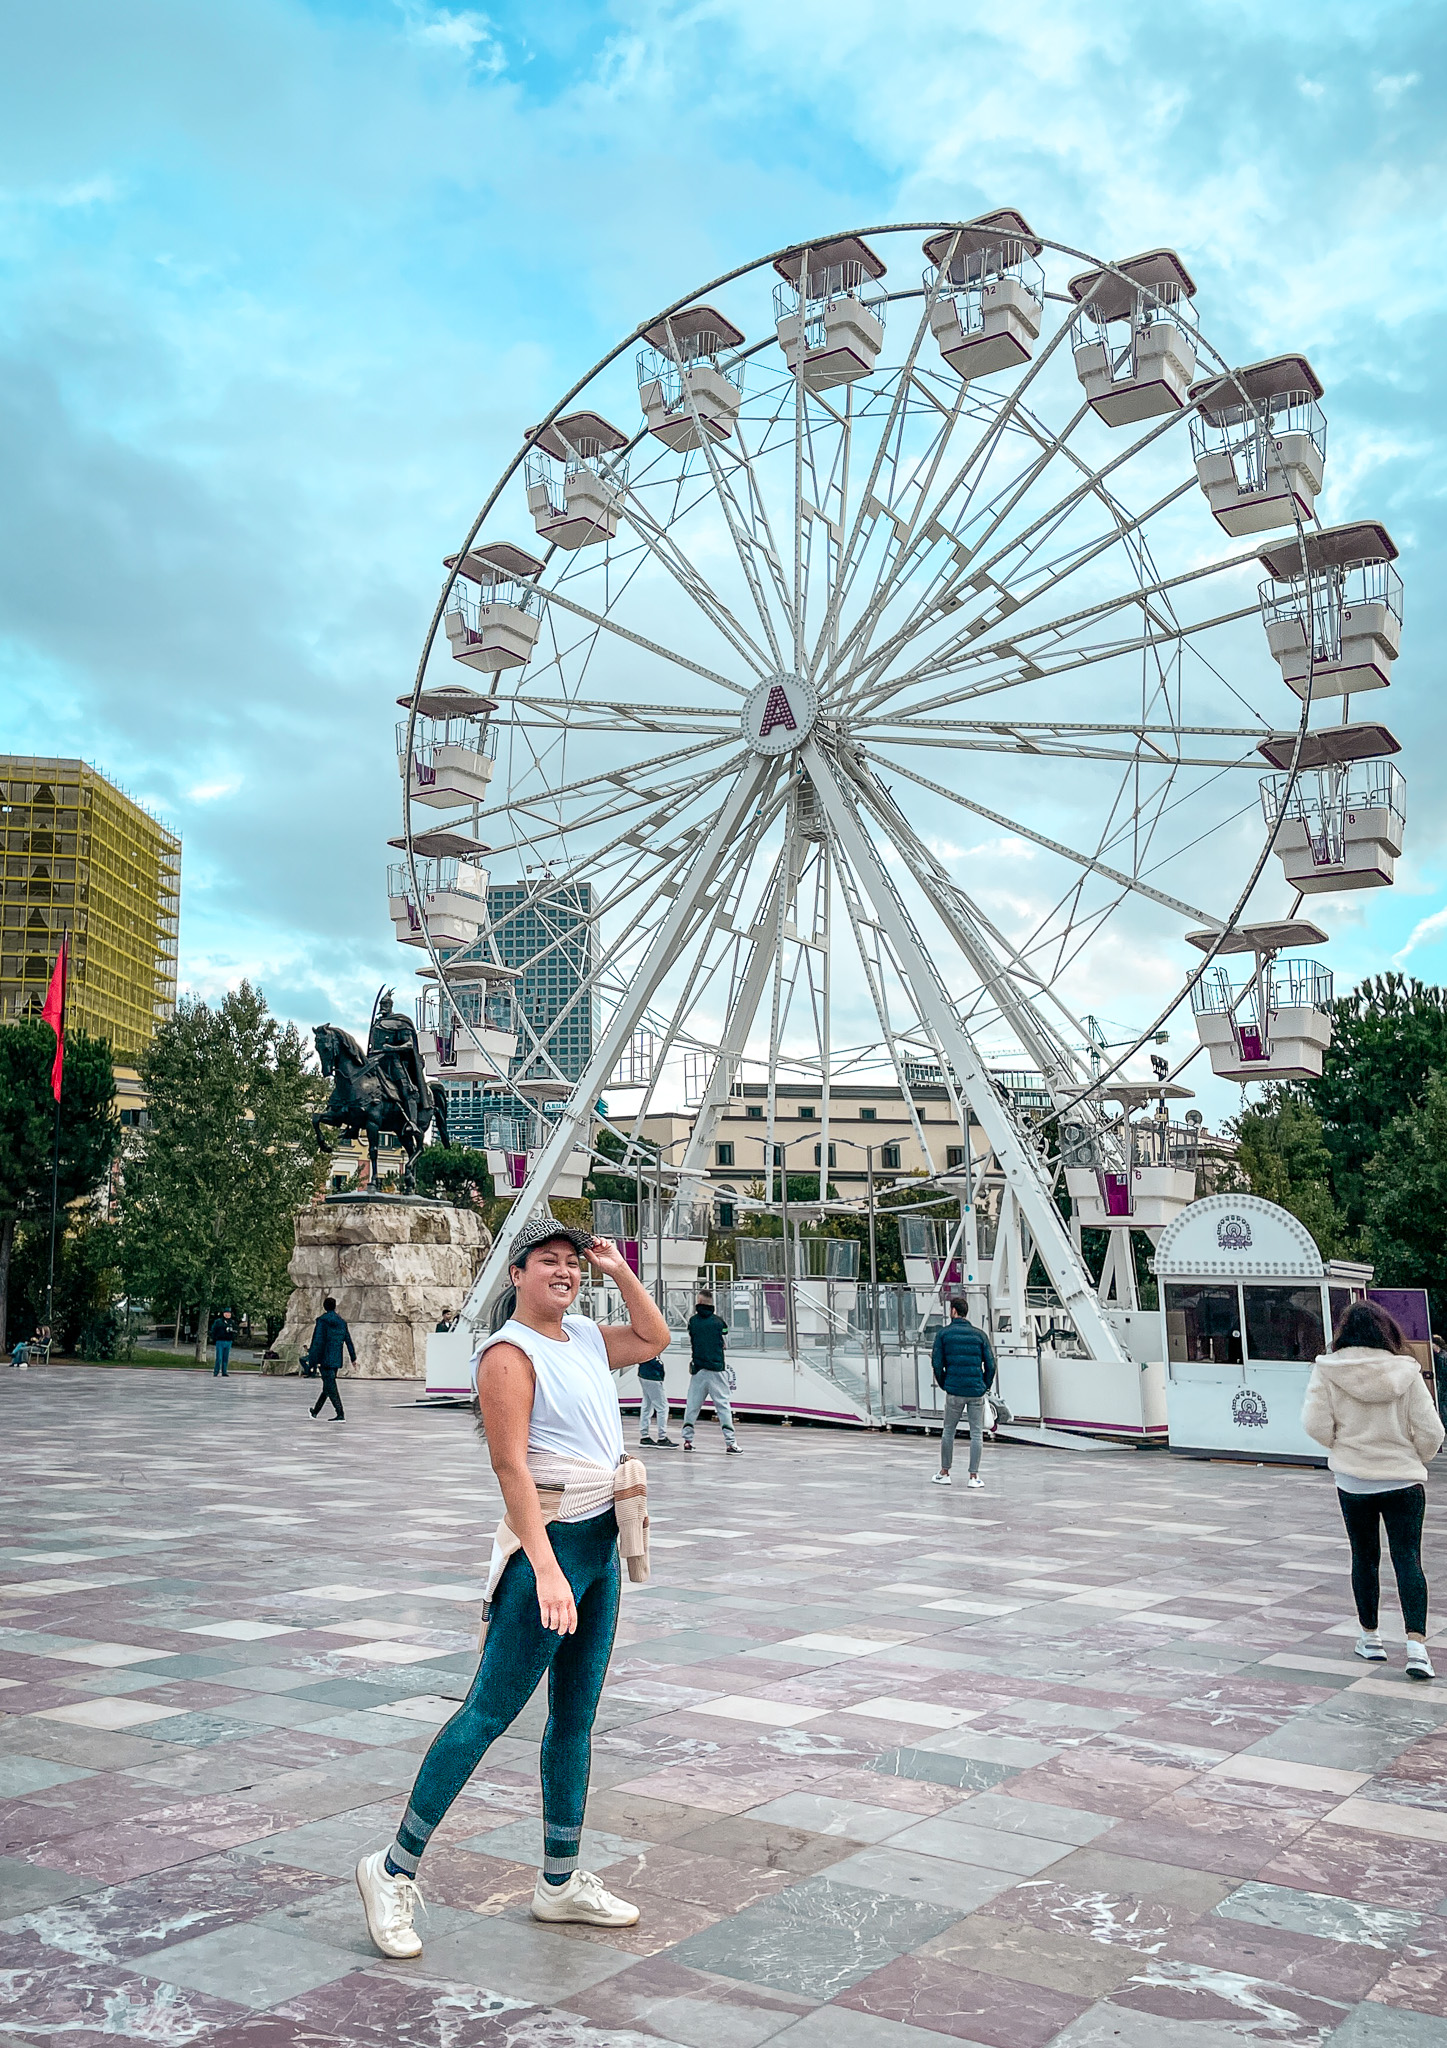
1367 1327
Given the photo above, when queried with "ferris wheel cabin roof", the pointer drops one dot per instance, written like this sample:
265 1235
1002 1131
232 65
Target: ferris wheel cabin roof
452 700
1335 547
1332 746
1262 938
826 256
498 560
443 845
472 970
1258 382
975 237
1132 1095
690 324
562 437
1112 296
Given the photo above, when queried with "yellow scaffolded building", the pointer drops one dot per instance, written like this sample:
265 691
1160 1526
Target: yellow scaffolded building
80 856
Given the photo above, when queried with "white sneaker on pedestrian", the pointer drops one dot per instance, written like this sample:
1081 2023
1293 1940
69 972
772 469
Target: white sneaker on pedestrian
583 1899
941 1479
1419 1664
389 1902
975 1480
1370 1647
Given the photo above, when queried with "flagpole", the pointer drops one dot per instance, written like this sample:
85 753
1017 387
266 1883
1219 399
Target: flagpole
55 1147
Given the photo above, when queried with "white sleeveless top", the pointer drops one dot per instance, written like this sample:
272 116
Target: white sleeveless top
575 1401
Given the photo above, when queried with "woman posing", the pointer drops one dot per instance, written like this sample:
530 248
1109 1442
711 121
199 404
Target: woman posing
550 1412
1368 1403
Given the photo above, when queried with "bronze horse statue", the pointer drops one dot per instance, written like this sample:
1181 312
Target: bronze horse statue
365 1097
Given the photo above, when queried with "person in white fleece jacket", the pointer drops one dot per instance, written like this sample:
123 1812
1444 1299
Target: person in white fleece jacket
1368 1403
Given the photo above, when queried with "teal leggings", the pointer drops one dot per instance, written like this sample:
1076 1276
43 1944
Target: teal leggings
516 1653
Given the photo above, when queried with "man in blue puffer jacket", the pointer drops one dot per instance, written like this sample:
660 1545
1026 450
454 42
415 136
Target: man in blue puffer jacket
964 1366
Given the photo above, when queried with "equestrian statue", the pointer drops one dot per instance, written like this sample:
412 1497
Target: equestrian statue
382 1089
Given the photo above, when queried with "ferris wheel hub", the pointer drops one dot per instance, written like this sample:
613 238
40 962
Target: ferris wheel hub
780 714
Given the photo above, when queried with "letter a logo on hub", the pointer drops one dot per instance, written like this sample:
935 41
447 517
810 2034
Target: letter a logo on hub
779 714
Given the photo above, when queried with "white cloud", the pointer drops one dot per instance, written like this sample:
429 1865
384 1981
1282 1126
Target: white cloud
467 34
1428 931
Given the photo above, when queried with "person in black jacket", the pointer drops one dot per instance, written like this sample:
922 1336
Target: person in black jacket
964 1366
330 1337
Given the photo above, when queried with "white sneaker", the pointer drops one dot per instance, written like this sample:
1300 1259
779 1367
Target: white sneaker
389 1902
1419 1664
975 1480
941 1479
581 1898
1370 1648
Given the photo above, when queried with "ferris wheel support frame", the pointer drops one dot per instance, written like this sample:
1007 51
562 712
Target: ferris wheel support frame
619 1034
1022 1170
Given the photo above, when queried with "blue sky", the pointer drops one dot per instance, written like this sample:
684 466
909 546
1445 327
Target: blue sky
281 284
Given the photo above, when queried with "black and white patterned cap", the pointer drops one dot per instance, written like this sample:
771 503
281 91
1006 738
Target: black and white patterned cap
543 1230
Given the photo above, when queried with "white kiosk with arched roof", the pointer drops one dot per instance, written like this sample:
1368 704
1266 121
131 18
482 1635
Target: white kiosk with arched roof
1245 1310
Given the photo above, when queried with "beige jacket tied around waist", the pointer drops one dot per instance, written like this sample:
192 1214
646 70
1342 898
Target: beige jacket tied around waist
571 1489
1373 1413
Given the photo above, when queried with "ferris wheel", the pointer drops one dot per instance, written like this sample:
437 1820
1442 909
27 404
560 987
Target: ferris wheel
883 687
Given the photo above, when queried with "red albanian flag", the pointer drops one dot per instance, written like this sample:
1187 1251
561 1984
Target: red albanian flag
54 1013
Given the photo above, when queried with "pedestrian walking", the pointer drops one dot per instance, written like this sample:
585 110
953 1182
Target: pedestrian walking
653 1404
330 1338
1368 1404
549 1407
964 1367
708 1378
222 1334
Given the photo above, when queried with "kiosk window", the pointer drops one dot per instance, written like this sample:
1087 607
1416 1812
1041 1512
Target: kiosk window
1203 1325
1284 1323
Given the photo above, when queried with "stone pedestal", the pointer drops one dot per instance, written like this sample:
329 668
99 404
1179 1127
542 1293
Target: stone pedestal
397 1265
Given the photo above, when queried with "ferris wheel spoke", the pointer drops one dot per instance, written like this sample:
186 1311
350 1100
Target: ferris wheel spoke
1002 600
960 655
1070 853
849 553
962 919
609 625
1040 743
661 545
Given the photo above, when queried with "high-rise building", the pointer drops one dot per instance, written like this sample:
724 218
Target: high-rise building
82 857
550 940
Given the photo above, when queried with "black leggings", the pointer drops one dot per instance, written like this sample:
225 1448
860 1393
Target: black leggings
329 1393
1402 1510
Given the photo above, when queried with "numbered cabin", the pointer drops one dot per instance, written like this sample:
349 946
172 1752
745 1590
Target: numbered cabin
468 1024
1333 609
687 394
822 298
986 293
495 626
1346 816
575 483
449 901
449 760
1135 337
1273 1026
1259 439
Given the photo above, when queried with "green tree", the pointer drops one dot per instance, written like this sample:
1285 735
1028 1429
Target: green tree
226 1159
1283 1153
1406 1198
454 1171
87 1280
603 1185
89 1133
1388 1035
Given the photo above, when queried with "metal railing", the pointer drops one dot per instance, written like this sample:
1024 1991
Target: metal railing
1325 595
1290 985
656 367
1236 430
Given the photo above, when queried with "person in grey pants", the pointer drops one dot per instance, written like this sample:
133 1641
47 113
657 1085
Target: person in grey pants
708 1373
653 1404
964 1369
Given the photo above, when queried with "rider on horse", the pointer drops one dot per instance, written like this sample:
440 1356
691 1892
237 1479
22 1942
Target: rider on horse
394 1041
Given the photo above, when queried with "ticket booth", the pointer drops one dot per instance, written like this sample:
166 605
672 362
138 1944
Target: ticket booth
1245 1312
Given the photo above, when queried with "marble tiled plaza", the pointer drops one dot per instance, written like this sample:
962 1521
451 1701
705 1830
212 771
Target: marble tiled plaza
1081 1760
